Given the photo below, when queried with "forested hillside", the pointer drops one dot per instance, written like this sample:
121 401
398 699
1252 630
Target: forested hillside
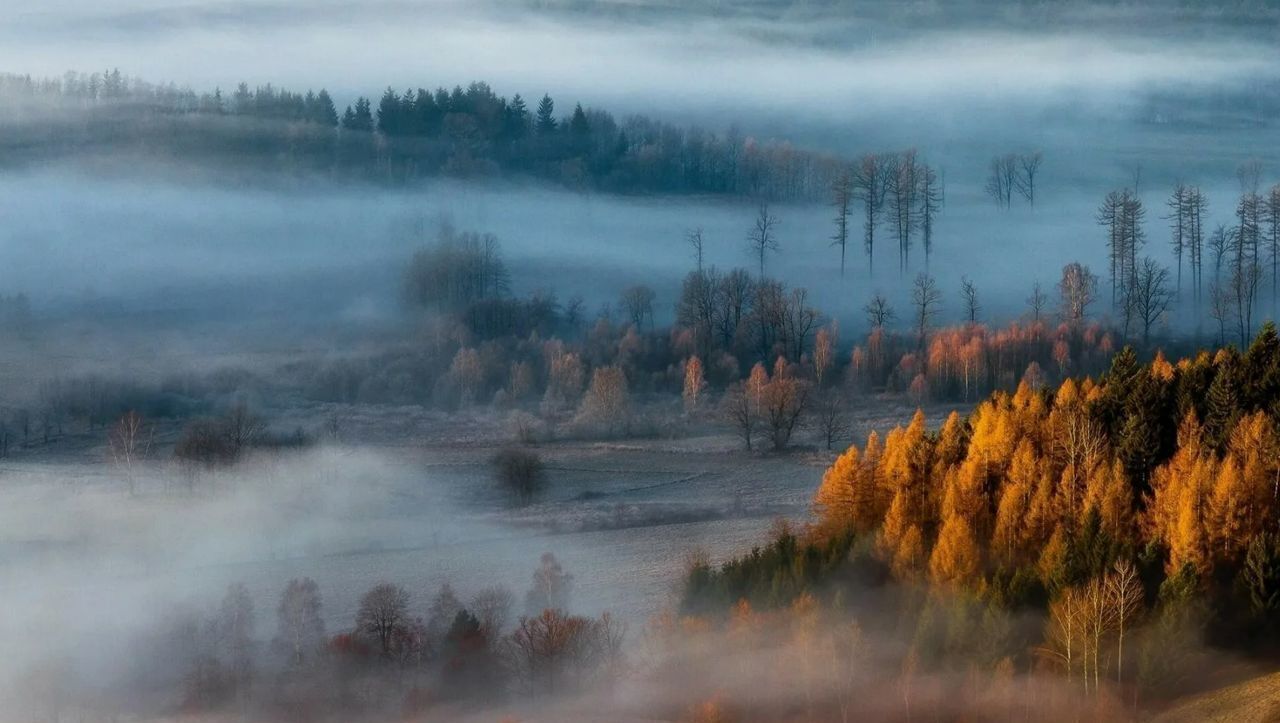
1118 531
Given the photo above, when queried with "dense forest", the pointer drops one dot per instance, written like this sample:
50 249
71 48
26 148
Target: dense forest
1131 514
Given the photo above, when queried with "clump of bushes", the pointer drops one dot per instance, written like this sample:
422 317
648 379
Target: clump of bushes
521 472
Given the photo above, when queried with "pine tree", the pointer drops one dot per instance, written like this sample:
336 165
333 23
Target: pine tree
545 122
325 114
1224 402
516 121
1261 369
580 131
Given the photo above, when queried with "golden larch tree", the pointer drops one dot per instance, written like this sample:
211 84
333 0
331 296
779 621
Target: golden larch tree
956 560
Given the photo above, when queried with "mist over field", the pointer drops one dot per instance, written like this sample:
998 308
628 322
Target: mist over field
448 360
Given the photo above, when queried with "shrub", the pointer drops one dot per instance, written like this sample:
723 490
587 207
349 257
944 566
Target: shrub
521 472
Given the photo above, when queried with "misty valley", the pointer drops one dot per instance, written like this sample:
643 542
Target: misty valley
704 362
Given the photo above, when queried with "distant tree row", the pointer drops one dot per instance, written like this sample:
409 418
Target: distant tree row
451 654
467 131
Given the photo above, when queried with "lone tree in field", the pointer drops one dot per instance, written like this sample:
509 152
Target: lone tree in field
761 238
521 472
383 613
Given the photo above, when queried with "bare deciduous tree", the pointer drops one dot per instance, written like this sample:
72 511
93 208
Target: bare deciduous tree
695 240
869 187
930 200
1028 172
1037 301
1077 290
551 586
1150 295
637 304
785 402
902 186
878 311
1002 178
242 427
969 295
492 607
741 413
299 627
842 196
832 419
235 636
1220 309
762 238
382 614
927 300
1125 598
130 444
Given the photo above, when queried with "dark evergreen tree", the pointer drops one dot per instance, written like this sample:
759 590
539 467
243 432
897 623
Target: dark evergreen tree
580 131
390 114
1259 580
516 119
324 113
1147 435
545 124
1119 382
1261 373
1223 402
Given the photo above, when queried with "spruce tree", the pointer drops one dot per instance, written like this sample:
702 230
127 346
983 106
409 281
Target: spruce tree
1261 369
325 114
1224 404
517 119
546 119
580 131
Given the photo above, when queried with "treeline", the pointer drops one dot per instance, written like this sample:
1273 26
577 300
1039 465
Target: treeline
1135 513
413 134
744 349
396 656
